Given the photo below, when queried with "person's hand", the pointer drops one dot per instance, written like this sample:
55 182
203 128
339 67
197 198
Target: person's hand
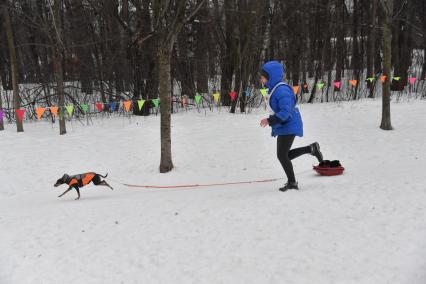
264 122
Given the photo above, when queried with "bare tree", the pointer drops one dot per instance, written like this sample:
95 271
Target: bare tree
169 19
371 44
13 66
58 63
387 6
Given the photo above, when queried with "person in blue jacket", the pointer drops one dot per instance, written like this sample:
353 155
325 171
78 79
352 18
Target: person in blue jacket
286 121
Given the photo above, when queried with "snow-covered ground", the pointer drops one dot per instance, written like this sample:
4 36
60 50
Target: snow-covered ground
366 226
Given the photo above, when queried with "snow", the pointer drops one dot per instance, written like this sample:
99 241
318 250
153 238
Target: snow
366 226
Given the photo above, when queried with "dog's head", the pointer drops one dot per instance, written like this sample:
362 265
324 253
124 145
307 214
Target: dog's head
62 180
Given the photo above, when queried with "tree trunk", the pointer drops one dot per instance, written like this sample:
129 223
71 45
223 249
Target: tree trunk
58 70
387 64
370 47
1 98
1 109
424 40
340 40
14 67
164 58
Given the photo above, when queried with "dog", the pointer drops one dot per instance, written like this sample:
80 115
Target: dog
80 180
330 164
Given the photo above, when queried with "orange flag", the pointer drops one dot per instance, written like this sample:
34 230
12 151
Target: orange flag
127 105
383 78
40 111
184 101
296 89
353 82
54 110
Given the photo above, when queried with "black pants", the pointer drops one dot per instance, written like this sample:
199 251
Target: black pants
285 155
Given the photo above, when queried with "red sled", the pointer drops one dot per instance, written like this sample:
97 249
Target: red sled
329 168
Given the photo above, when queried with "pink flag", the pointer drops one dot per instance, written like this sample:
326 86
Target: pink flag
337 85
412 80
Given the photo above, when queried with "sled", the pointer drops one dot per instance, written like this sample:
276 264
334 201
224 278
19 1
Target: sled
329 168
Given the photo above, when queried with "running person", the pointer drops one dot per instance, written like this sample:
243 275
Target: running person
286 121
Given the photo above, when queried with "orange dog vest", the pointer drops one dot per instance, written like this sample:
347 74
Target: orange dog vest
81 180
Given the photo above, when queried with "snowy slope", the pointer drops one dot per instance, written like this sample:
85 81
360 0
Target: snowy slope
367 226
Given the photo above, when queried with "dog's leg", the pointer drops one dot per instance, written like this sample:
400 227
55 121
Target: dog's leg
78 192
65 191
104 183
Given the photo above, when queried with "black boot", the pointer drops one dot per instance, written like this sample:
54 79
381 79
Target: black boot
315 151
289 185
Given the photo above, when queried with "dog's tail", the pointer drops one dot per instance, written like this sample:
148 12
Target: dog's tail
104 175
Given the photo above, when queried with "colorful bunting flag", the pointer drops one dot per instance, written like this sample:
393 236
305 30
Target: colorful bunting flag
337 84
127 105
320 86
100 106
397 78
264 91
40 112
184 101
247 93
353 82
85 108
112 106
1 115
216 97
197 99
296 90
412 80
156 102
20 114
54 110
70 109
383 78
371 79
140 104
233 96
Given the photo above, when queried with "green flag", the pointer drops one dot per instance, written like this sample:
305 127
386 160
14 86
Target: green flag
264 91
156 102
140 104
397 78
85 108
371 79
70 109
320 85
197 99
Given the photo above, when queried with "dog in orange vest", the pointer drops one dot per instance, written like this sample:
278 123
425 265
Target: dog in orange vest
80 180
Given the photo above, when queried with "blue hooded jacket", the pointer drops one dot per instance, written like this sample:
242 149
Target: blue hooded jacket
287 119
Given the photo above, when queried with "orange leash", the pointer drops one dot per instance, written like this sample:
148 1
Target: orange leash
201 185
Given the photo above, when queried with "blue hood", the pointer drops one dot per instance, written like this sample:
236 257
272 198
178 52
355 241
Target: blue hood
275 71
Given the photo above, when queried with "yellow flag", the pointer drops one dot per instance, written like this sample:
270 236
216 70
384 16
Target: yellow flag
216 97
